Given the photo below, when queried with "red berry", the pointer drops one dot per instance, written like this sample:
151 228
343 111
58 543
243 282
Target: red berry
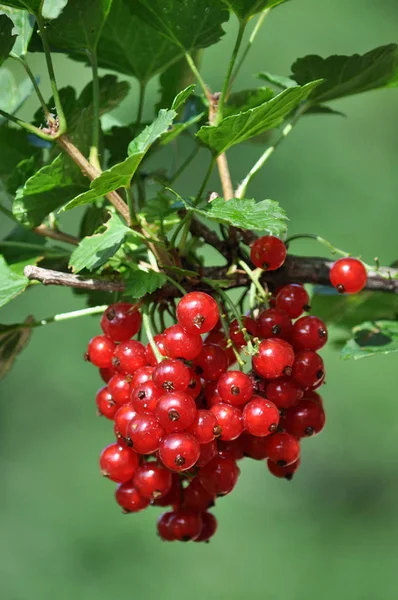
180 344
145 433
152 481
229 419
211 362
197 497
308 369
304 420
209 527
121 321
235 387
142 375
171 376
129 498
210 388
232 449
197 313
218 338
293 300
286 472
118 462
176 411
106 374
283 392
179 451
123 417
275 358
309 333
100 351
214 399
173 496
195 384
268 253
274 323
186 524
260 417
282 449
129 356
106 405
164 526
219 476
207 453
205 427
144 398
236 334
254 447
348 275
120 388
159 340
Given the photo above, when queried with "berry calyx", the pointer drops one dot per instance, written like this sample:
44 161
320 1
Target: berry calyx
309 333
179 451
293 300
197 312
235 387
275 358
121 321
348 275
176 411
274 323
144 397
268 253
118 462
229 420
260 417
171 375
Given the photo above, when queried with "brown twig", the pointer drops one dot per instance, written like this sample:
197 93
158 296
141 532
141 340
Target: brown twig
222 163
56 235
48 277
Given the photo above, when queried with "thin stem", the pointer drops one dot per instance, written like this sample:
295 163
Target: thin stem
205 180
7 212
225 177
234 55
185 164
253 36
22 60
94 152
140 109
254 277
177 285
54 234
62 317
41 250
317 238
148 331
197 74
51 74
31 128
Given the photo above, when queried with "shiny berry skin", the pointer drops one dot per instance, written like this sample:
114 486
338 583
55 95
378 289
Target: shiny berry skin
275 358
214 399
209 527
129 356
304 420
207 453
260 417
179 451
211 362
236 334
106 405
268 253
254 447
100 351
186 525
308 369
121 321
309 333
197 312
235 387
152 481
232 449
144 397
164 527
205 427
286 472
129 499
195 384
282 449
210 389
171 376
274 323
180 344
123 417
283 392
293 300
197 497
348 275
219 476
229 419
142 375
118 463
218 338
159 340
106 374
176 411
120 388
173 496
145 433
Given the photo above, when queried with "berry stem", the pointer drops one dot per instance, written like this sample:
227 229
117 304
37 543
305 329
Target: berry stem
254 277
146 321
94 156
252 37
75 314
226 85
22 60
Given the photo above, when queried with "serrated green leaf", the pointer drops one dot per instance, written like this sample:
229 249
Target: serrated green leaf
371 338
93 218
96 250
238 128
121 174
247 99
13 339
322 109
266 215
278 80
347 75
179 128
7 39
182 97
189 24
141 283
11 284
23 27
174 78
244 9
12 94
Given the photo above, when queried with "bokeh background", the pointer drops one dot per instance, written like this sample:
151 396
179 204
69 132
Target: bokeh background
332 532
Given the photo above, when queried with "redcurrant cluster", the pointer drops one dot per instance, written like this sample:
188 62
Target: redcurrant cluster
183 420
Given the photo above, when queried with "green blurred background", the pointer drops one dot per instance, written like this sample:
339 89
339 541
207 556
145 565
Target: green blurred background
332 532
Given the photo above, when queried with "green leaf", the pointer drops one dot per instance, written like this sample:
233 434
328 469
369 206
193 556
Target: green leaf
13 95
33 6
14 147
13 340
11 284
182 97
247 99
23 27
266 215
238 128
370 338
26 251
179 128
96 250
244 9
277 80
121 174
189 24
140 283
93 218
7 39
347 75
53 8
175 77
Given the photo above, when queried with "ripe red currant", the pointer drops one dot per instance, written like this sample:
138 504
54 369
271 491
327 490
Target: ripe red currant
205 427
229 419
123 417
219 476
176 411
129 498
286 472
282 448
120 388
197 497
145 433
304 420
121 321
235 387
293 300
106 374
308 369
348 275
142 375
207 453
209 527
211 362
195 384
236 334
309 333
144 398
274 323
186 524
100 351
179 451
254 447
159 340
232 449
152 481
118 462
197 313
163 526
260 417
106 405
129 356
171 376
275 358
268 253
283 392
180 344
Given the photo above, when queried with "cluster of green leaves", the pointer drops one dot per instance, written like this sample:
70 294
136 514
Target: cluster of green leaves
142 40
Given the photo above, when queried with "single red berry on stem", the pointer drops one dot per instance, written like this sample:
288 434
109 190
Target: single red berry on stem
118 462
195 384
107 373
207 453
129 356
275 358
142 375
144 397
268 253
282 448
164 526
348 275
229 419
219 476
106 405
145 433
232 448
121 321
235 387
308 369
180 344
186 525
120 388
123 417
254 447
260 417
129 499
304 420
293 300
197 497
274 323
205 427
152 481
236 334
171 376
209 527
159 340
100 351
179 451
211 363
309 333
283 392
197 312
286 472
176 411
